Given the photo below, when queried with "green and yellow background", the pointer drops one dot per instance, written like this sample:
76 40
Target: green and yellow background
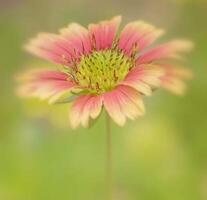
161 156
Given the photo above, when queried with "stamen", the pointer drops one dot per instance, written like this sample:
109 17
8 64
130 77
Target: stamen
93 42
64 59
134 50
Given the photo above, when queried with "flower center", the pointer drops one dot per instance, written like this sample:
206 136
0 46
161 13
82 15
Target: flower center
101 71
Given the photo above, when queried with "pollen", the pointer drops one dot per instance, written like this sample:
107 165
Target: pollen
101 71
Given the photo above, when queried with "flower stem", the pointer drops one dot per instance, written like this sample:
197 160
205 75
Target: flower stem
109 180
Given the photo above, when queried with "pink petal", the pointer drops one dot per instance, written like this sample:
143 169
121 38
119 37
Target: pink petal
103 34
44 84
173 79
77 109
164 51
95 106
78 37
112 105
123 102
134 96
84 107
92 108
138 34
64 48
144 78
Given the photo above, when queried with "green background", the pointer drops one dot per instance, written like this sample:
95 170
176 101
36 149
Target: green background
161 156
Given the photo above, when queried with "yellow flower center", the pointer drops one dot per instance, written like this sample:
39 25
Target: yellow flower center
101 71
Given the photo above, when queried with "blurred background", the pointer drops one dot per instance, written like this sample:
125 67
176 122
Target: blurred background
161 156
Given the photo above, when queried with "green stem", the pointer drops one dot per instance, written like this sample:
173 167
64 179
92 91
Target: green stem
109 158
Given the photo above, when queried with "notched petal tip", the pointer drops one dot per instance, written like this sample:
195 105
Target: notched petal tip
117 19
183 45
72 30
40 40
176 86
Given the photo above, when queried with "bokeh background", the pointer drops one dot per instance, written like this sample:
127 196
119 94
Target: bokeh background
161 156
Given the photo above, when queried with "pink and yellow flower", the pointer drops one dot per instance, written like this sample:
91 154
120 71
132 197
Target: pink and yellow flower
101 68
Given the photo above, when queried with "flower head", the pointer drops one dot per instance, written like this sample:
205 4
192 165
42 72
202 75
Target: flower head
101 68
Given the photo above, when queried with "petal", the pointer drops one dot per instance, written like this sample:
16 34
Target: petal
144 78
63 48
113 107
50 47
44 84
104 33
164 51
78 37
123 102
131 102
95 106
91 109
174 77
77 109
134 96
138 34
174 85
84 107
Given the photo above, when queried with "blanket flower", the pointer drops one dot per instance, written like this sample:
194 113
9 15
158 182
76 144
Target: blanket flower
100 67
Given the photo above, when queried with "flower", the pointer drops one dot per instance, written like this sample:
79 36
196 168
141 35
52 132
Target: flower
101 68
